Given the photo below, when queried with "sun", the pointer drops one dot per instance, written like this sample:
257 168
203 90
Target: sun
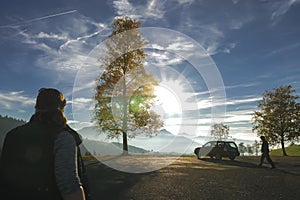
167 99
168 106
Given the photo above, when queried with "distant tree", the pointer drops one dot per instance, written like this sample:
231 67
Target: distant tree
242 148
125 91
256 147
292 144
249 149
87 153
278 117
8 123
220 131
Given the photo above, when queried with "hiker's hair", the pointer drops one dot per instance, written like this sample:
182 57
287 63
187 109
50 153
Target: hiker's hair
49 108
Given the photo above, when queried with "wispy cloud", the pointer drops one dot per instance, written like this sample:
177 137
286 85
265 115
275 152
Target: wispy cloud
239 86
81 103
12 100
235 1
162 59
211 35
283 49
67 49
204 103
153 9
37 19
42 35
280 8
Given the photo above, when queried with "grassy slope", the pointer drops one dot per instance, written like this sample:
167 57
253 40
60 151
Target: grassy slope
291 151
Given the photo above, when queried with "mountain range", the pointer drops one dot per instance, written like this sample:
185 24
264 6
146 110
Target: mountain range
163 142
6 124
95 142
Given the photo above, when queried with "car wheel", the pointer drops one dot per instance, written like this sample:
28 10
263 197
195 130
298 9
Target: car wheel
231 157
218 156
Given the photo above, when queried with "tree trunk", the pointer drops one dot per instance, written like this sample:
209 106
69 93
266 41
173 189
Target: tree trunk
125 118
282 145
125 145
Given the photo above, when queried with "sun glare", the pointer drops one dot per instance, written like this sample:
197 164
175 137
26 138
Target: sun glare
168 106
168 100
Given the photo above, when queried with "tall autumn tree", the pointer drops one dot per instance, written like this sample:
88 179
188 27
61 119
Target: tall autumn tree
278 117
125 90
220 131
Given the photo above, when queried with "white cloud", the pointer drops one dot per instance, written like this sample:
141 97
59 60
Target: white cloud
244 100
163 59
153 9
185 1
15 100
66 50
244 85
239 118
284 49
30 40
210 36
280 8
207 103
43 35
81 104
238 23
181 44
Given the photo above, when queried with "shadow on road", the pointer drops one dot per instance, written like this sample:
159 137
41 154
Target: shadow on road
231 162
240 163
108 183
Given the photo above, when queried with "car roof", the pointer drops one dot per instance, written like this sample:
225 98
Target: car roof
219 141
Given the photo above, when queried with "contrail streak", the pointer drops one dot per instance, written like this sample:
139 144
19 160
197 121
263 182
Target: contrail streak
37 19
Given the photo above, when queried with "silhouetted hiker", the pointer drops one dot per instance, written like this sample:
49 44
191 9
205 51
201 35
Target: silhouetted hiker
265 152
41 159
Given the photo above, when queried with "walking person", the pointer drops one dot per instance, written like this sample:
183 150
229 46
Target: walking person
265 152
41 159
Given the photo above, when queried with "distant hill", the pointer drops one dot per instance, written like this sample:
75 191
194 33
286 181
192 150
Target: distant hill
131 149
6 124
291 151
163 142
91 132
100 148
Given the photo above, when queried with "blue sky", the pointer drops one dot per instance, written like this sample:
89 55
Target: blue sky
255 45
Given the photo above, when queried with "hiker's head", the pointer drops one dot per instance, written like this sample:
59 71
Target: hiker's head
262 138
50 104
49 99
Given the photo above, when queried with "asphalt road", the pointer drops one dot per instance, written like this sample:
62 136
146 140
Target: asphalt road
190 178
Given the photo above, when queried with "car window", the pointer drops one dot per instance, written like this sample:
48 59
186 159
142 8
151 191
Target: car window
210 144
207 144
221 144
232 145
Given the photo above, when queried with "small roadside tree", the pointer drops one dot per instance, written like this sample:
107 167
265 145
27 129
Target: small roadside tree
249 149
125 91
278 117
256 147
242 148
220 131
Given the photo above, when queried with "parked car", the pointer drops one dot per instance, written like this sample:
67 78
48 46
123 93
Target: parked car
218 149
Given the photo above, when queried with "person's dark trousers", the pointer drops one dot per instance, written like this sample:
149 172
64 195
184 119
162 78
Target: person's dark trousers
267 156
